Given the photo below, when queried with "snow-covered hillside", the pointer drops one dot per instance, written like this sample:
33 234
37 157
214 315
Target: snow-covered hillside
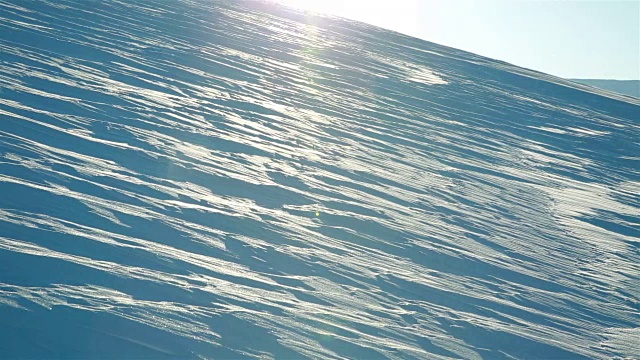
625 87
191 178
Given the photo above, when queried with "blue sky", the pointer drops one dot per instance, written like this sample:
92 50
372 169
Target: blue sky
572 39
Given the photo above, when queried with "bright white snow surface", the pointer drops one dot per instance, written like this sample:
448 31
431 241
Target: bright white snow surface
239 180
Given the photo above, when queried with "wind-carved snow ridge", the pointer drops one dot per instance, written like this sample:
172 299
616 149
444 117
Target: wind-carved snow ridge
198 179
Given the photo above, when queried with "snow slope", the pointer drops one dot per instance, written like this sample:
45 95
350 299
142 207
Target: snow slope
238 180
625 87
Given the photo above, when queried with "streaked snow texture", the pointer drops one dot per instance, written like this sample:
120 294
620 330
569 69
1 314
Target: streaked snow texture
162 164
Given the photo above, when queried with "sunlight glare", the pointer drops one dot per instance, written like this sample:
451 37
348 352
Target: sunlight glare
399 15
334 7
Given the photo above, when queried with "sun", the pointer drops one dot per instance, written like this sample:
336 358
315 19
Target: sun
333 7
398 15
